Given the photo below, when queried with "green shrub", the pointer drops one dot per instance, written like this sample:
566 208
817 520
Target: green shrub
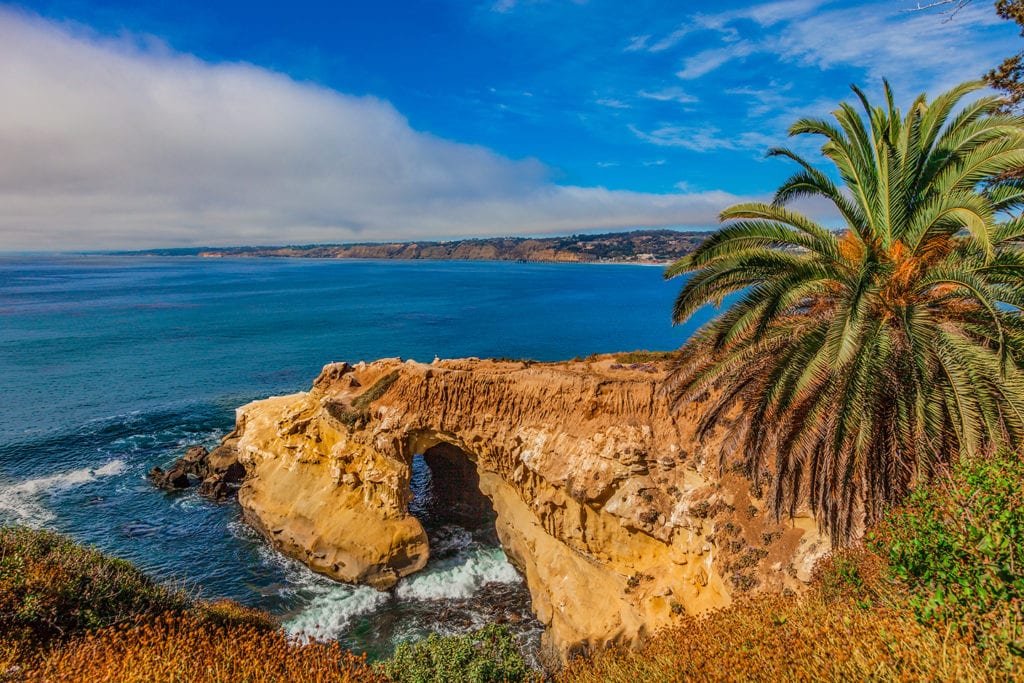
489 654
644 356
376 391
51 587
959 546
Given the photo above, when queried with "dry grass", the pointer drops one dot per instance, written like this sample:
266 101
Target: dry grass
848 628
176 647
71 613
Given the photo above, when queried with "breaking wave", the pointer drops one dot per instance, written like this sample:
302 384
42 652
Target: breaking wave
24 502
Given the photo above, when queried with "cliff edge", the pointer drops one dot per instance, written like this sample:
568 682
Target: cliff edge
618 519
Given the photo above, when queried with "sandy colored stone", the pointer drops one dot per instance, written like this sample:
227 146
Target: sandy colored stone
617 518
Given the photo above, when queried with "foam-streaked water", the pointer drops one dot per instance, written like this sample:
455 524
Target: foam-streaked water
111 365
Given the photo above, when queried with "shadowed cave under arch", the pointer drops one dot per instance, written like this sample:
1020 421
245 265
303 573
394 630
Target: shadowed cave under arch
460 520
445 488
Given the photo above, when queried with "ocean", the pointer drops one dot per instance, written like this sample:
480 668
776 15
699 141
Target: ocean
111 365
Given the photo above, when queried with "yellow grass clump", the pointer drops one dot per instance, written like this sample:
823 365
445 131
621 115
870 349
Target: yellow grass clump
849 627
184 647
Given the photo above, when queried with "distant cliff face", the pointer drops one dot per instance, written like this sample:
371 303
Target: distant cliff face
639 246
616 517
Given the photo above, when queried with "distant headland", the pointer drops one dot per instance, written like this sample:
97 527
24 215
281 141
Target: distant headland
638 246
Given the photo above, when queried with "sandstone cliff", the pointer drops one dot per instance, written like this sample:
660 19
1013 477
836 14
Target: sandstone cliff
616 517
638 246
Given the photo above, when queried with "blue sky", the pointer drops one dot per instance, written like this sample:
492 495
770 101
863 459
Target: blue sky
145 123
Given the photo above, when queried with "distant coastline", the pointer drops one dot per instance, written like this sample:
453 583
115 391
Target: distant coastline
648 247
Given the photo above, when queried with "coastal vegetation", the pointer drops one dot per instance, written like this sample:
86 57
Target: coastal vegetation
935 594
867 359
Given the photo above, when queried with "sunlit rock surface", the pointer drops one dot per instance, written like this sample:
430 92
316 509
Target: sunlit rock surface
605 502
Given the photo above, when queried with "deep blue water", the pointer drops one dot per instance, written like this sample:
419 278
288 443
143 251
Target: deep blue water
111 365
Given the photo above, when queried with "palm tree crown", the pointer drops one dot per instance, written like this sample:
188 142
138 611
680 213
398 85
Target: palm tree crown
853 362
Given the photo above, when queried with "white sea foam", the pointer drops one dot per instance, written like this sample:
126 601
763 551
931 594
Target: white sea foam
23 502
460 577
330 607
328 615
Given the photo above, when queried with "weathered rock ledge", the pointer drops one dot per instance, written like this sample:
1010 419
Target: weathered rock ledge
618 519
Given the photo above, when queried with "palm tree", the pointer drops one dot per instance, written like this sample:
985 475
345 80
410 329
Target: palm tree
851 364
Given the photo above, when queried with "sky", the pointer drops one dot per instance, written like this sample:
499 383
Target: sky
131 124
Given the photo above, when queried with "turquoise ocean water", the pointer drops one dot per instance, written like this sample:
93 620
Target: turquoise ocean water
110 365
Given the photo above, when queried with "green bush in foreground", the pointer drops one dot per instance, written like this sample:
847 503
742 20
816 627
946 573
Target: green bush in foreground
489 654
53 588
958 545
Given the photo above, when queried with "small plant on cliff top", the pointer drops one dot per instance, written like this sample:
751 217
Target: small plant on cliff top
376 391
489 654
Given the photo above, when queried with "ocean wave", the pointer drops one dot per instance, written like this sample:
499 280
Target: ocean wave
329 614
22 502
459 577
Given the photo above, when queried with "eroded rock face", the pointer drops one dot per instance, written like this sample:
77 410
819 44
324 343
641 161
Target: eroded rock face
617 518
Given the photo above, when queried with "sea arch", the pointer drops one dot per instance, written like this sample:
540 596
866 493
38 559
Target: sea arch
603 499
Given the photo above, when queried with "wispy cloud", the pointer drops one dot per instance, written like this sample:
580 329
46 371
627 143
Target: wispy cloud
672 94
916 49
637 43
671 40
612 103
775 97
703 138
110 145
707 61
506 6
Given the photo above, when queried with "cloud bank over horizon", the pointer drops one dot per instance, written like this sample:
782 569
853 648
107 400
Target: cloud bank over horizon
116 144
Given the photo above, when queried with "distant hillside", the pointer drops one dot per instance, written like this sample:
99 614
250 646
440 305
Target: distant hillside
641 246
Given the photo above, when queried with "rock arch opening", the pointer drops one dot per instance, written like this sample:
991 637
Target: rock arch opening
469 580
446 492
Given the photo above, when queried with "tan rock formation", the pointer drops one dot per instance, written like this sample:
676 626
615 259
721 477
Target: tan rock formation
617 518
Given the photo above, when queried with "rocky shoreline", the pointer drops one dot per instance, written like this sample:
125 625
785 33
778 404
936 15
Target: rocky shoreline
616 517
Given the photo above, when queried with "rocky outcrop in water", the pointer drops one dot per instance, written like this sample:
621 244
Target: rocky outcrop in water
218 473
616 517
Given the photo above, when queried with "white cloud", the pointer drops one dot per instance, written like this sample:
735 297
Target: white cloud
110 145
672 39
612 103
507 6
673 94
707 61
705 138
637 44
917 50
761 101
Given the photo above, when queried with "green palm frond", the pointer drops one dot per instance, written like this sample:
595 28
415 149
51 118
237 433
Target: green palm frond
864 359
